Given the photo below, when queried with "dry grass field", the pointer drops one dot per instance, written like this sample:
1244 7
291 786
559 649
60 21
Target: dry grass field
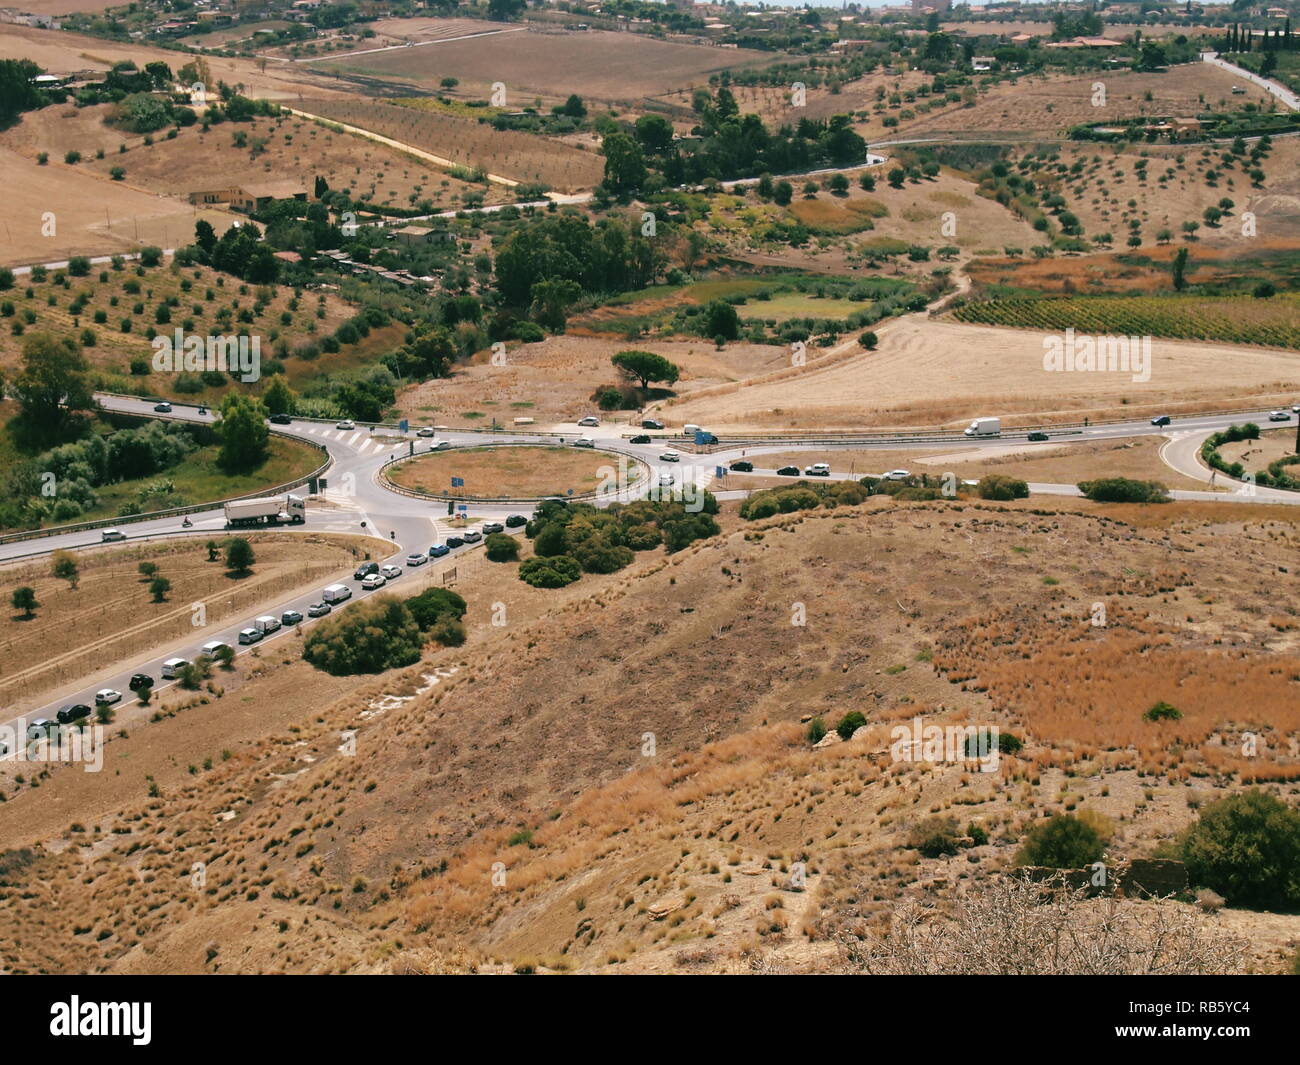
287 148
553 380
597 65
92 215
513 472
520 157
1046 105
934 212
67 639
935 372
527 748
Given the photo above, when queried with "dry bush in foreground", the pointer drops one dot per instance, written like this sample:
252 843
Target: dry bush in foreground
1010 926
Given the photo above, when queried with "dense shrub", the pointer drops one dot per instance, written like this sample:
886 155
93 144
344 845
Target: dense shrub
433 604
1062 842
1247 848
368 637
1124 490
552 571
999 486
850 723
501 548
934 836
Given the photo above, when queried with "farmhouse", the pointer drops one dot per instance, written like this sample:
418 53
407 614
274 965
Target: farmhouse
251 197
414 235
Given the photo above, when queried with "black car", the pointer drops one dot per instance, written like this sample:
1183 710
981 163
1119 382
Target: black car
1037 438
140 680
490 527
1162 419
365 570
741 466
162 408
651 423
455 541
788 471
290 617
280 419
515 520
72 713
640 438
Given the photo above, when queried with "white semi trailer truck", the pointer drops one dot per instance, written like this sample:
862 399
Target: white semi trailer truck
274 510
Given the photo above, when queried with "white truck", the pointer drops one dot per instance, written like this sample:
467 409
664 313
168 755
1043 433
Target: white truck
275 510
985 427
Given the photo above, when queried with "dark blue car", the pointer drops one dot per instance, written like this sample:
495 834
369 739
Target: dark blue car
438 550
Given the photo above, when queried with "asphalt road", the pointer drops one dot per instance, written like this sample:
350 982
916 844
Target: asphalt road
355 502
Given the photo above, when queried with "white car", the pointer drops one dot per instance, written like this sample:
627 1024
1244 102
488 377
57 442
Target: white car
1280 416
247 636
390 571
107 697
426 431
818 469
109 535
440 445
346 423
416 558
590 419
897 475
375 580
671 456
665 478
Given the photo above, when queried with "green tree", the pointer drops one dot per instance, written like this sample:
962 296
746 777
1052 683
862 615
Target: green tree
655 133
51 384
24 599
435 603
721 320
1062 842
1247 848
158 588
64 568
646 366
999 486
239 555
244 435
625 170
551 301
279 397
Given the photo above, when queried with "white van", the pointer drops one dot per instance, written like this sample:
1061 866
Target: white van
212 647
336 593
172 667
266 624
690 430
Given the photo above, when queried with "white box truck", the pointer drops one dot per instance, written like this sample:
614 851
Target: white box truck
336 593
266 624
985 427
275 510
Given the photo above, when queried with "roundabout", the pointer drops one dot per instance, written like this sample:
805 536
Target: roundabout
513 473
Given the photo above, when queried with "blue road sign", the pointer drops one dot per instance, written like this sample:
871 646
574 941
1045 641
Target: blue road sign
721 470
461 506
458 482
404 425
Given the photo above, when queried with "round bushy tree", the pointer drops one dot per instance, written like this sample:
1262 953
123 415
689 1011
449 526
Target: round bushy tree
1062 842
1247 848
368 637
